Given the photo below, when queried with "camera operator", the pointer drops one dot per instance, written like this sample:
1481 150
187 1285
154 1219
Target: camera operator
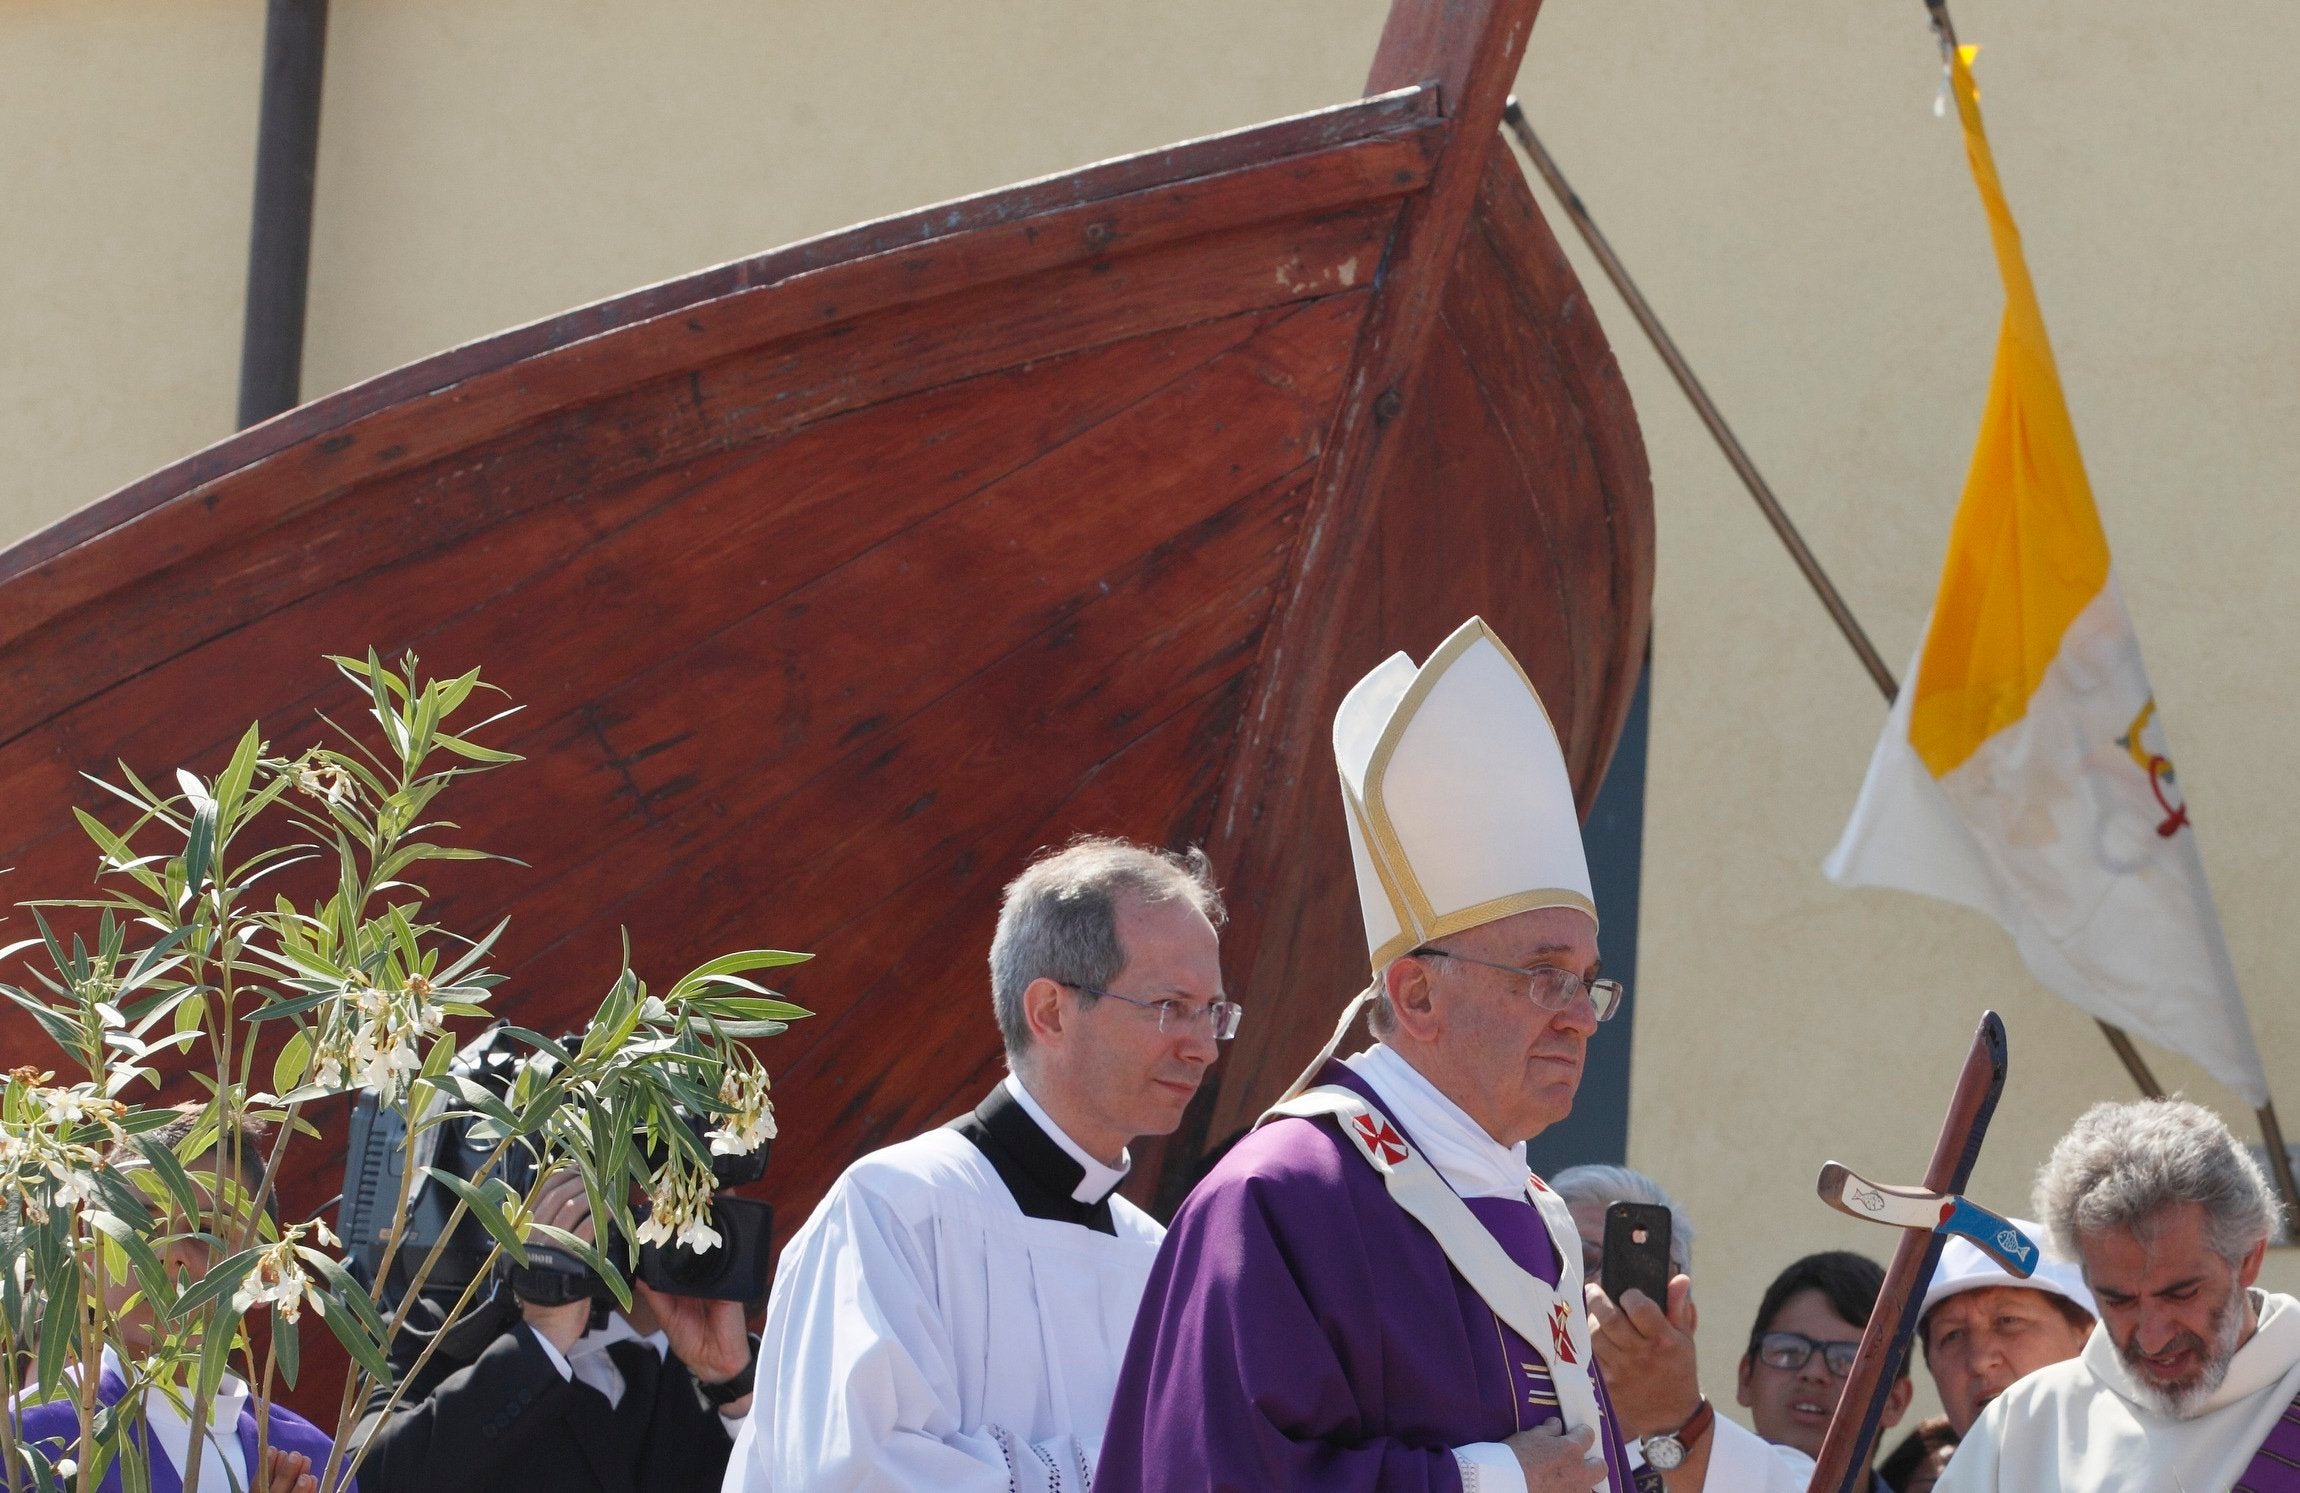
537 1396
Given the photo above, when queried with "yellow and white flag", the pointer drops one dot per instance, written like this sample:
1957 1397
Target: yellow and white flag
2024 772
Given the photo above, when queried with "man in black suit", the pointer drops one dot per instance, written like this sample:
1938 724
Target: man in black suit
529 1396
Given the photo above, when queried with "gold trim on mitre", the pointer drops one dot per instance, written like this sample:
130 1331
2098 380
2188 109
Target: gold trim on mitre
1483 913
1392 866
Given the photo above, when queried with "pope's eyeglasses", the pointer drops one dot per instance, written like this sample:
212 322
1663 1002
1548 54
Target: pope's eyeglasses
1218 1018
1546 985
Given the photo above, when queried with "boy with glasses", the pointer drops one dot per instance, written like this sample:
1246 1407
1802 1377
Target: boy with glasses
1807 1332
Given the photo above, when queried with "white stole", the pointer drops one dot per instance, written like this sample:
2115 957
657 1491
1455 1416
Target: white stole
1551 1318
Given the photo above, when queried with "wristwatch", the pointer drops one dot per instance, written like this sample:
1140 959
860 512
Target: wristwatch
1667 1451
727 1391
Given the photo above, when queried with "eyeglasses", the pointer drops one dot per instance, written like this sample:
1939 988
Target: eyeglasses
1791 1351
1218 1019
1547 986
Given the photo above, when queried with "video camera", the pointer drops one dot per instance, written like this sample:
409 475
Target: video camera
737 1269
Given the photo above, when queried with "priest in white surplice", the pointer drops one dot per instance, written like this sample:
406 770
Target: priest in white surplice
952 1316
2190 1379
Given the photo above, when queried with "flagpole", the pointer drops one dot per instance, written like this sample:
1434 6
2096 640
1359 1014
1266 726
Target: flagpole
2271 1132
1737 456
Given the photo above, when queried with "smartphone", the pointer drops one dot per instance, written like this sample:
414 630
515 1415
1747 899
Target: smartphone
1637 1252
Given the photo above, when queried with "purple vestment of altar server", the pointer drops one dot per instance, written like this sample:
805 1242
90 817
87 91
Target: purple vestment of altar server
54 1427
1301 1331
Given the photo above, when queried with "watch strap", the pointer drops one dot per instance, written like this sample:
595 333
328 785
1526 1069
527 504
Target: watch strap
725 1392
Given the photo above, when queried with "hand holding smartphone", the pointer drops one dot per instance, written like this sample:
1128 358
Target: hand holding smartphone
1636 1252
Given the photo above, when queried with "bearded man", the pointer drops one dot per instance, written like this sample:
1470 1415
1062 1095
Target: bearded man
2191 1378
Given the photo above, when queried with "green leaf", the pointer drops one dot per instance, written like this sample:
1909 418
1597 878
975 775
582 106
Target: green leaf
486 1209
473 752
749 1008
340 1282
233 785
479 1097
538 1041
171 1173
64 1032
200 842
62 1285
191 1013
274 1010
294 1061
287 1347
216 1346
741 1030
733 964
221 1281
350 1331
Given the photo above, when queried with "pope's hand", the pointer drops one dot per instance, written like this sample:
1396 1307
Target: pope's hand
1557 1461
1647 1357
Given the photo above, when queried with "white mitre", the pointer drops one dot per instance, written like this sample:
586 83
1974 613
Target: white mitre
1459 805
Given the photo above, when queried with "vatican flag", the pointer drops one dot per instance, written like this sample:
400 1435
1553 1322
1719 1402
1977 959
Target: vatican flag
2024 771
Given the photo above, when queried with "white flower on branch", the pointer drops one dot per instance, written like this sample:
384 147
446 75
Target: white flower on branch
679 1208
317 777
750 1120
276 1280
42 1167
376 1037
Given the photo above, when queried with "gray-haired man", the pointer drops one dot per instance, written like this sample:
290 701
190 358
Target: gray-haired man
2190 1379
952 1316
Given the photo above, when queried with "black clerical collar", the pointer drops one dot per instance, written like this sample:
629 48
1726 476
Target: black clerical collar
1040 1174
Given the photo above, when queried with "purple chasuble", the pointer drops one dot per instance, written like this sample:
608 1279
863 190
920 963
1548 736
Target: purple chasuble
1301 1331
54 1428
2276 1466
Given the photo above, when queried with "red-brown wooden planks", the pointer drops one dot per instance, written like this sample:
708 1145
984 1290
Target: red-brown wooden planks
838 580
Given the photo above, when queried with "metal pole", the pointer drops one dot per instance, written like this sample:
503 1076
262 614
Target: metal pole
2143 1076
2271 1133
279 242
1703 405
2280 1162
1514 117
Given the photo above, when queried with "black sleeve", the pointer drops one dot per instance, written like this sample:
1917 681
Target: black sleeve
461 1425
687 1443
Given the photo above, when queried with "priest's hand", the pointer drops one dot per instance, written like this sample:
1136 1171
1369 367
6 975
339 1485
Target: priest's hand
1646 1354
286 1472
709 1337
1557 1461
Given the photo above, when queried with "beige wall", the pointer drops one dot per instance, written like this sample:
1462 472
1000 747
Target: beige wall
1809 230
1774 174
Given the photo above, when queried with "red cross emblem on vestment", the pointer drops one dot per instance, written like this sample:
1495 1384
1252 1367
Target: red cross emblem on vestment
1537 1184
1381 1139
1560 1335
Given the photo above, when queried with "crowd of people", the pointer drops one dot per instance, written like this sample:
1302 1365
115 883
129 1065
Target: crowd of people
1368 1290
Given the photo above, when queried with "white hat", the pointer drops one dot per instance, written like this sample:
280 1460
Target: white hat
1964 1268
1459 805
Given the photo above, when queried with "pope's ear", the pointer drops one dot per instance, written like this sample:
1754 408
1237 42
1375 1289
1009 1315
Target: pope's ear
1042 1009
1412 997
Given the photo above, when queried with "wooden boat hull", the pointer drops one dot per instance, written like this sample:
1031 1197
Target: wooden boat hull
837 581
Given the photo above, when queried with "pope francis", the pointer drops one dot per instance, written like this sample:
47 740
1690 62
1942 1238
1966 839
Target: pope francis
1371 1291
